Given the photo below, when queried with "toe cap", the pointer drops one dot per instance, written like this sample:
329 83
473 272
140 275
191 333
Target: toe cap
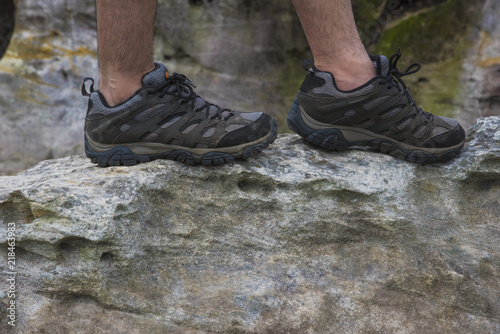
450 138
249 133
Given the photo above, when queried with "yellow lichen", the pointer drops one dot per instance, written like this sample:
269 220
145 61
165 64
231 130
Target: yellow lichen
489 62
42 47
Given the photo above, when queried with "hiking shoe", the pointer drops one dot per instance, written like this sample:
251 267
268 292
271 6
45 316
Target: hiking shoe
166 119
380 114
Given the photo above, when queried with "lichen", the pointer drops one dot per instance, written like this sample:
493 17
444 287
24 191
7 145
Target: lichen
43 47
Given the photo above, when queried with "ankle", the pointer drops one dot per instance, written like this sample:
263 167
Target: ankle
117 91
349 72
116 96
117 86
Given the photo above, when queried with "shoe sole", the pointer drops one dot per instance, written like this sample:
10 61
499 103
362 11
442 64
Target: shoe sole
342 138
128 155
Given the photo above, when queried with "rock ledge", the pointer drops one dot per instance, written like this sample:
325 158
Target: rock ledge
295 240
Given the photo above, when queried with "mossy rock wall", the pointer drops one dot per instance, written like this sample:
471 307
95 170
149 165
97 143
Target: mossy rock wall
248 54
438 37
241 54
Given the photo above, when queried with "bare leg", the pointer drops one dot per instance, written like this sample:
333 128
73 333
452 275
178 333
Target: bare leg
336 47
125 46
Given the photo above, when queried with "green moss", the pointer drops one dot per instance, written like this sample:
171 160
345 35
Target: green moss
366 13
436 37
289 83
433 34
436 88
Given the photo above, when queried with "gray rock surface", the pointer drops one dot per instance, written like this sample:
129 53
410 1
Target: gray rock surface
295 240
482 68
41 109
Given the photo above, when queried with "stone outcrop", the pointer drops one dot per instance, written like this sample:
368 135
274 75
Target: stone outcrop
482 69
41 110
296 240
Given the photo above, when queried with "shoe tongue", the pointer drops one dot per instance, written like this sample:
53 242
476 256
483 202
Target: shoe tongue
381 63
156 77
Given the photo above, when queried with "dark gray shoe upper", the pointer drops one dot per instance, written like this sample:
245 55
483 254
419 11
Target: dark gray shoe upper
167 110
383 106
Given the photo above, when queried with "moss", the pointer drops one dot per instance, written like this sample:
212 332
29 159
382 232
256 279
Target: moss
436 88
366 13
366 10
432 34
289 83
437 37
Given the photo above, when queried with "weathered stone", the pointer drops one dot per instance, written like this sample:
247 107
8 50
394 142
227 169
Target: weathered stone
41 109
241 54
296 240
482 68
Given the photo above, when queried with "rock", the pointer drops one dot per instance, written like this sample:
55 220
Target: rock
457 43
41 109
245 55
482 68
296 240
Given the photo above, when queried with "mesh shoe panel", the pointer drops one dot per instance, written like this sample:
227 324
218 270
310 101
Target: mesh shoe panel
329 89
99 108
156 77
251 116
148 113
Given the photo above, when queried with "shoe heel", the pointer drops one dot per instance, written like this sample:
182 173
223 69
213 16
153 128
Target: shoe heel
295 122
331 139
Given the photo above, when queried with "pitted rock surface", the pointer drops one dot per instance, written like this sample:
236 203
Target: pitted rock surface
295 240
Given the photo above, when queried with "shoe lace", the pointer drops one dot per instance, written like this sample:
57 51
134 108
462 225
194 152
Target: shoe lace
394 73
179 85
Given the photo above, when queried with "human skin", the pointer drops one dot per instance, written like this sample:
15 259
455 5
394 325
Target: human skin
125 44
335 44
